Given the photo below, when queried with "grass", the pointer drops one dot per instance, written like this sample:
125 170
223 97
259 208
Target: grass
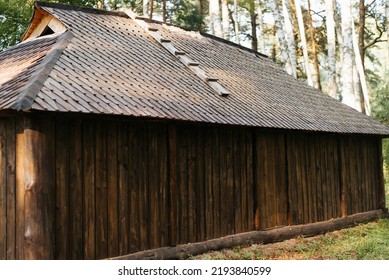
363 242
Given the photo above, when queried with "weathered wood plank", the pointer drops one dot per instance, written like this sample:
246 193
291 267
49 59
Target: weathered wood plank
216 181
62 189
101 191
144 190
182 178
113 191
230 189
134 188
238 173
38 173
192 183
173 186
76 234
153 182
20 189
224 196
280 174
163 220
200 184
209 205
250 180
3 189
123 151
89 213
11 189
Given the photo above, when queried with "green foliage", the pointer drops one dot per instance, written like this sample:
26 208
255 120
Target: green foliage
14 18
185 14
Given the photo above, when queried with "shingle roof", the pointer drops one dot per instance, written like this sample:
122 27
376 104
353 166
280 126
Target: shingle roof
105 63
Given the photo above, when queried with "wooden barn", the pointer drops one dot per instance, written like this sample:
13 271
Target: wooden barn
120 134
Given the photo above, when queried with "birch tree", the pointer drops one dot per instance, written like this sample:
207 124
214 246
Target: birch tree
313 43
145 7
261 31
290 36
364 99
225 20
331 47
347 55
285 58
214 18
236 22
303 41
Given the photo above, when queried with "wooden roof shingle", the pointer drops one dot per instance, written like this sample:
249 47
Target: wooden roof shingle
106 63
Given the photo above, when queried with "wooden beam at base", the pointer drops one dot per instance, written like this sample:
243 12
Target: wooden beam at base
255 237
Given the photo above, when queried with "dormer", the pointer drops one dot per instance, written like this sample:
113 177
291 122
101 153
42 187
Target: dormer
43 24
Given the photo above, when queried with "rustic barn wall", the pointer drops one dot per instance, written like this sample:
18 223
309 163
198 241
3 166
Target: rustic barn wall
122 186
8 217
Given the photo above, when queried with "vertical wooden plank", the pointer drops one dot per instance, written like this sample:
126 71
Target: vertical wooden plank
280 174
344 173
113 191
3 190
123 151
230 190
11 191
377 146
192 184
292 179
38 184
89 190
163 220
209 182
200 184
239 174
134 188
153 182
20 189
62 189
216 181
248 180
101 191
223 191
144 190
258 175
173 188
76 244
321 191
182 143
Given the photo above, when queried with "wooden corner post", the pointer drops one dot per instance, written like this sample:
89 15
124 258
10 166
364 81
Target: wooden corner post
36 185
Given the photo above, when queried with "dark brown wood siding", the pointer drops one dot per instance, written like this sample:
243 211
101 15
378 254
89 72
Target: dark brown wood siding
120 186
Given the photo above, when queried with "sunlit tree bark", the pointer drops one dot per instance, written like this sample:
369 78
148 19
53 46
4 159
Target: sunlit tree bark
331 47
303 41
290 36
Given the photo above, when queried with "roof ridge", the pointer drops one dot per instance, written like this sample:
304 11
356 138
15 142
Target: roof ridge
33 86
40 4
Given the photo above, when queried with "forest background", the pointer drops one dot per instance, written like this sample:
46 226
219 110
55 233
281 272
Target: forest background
340 47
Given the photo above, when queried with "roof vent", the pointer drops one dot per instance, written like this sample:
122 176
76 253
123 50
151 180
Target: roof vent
180 55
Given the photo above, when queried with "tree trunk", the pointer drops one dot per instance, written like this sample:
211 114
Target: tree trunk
236 23
290 36
261 31
387 32
254 39
364 97
151 9
285 58
313 42
145 8
347 55
361 31
164 10
225 20
330 26
303 41
214 18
